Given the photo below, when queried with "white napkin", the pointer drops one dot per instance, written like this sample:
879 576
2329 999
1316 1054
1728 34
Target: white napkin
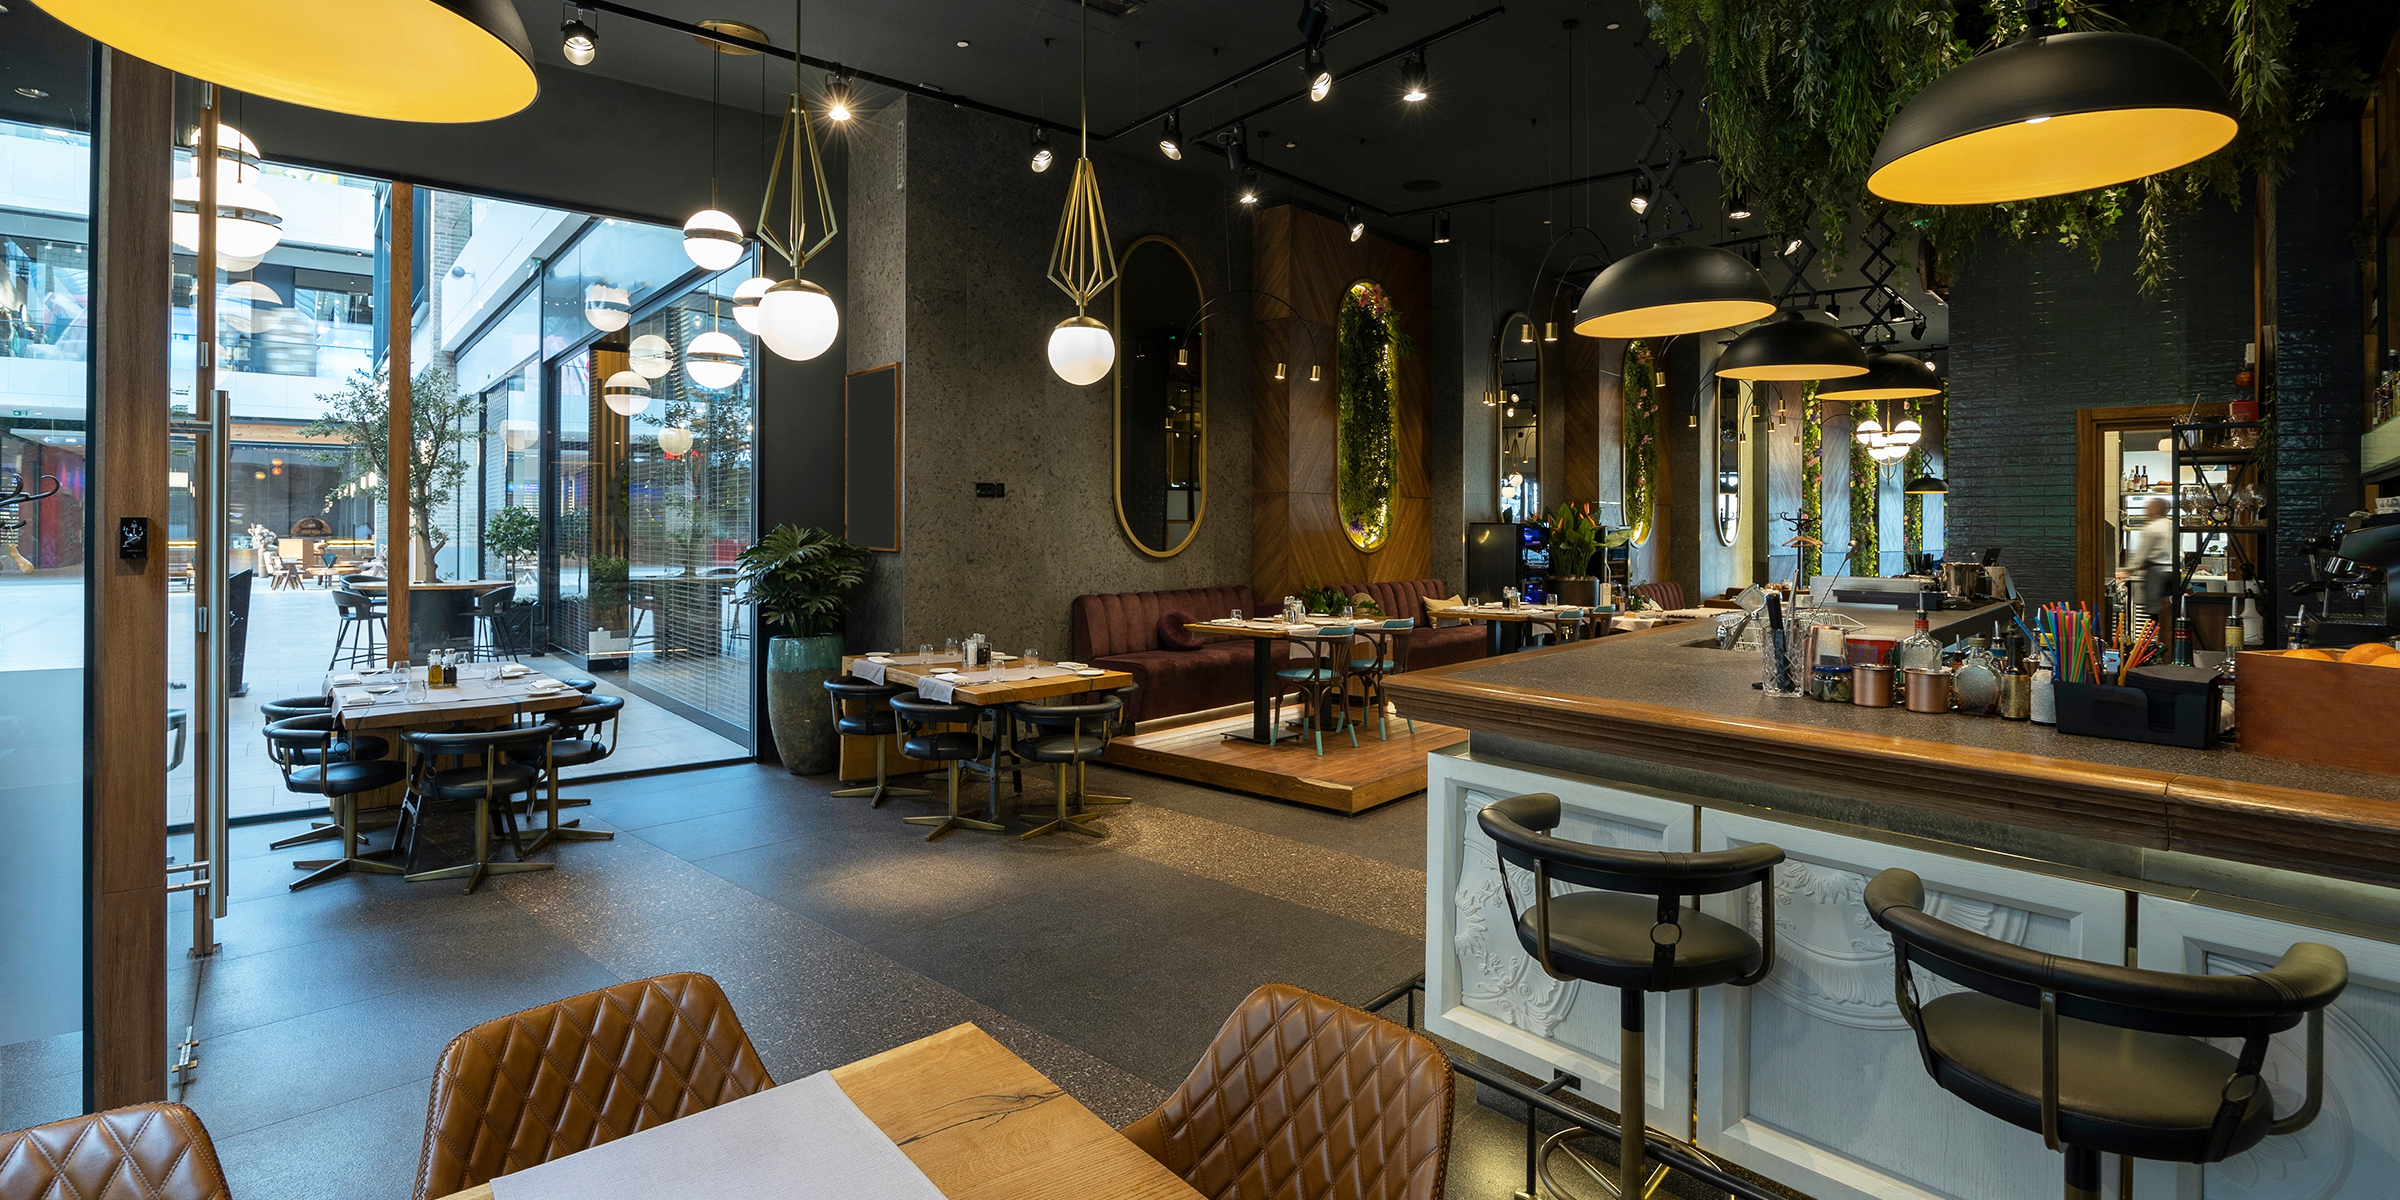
347 680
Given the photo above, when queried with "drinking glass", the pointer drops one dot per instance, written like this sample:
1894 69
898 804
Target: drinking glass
1349 612
1474 602
1237 616
925 652
950 646
416 691
1033 658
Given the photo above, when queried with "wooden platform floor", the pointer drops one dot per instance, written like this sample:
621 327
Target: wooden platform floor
1344 780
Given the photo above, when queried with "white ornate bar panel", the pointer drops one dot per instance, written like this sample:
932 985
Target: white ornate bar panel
1812 1079
2352 1150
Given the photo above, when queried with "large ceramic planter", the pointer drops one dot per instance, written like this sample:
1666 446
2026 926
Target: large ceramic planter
1582 591
799 711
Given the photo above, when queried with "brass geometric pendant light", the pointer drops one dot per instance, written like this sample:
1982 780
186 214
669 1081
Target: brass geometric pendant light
1082 261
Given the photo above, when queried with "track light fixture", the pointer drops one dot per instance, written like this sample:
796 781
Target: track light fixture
1041 150
1237 149
1170 137
1320 80
1358 228
1737 206
837 99
579 41
1441 229
1639 198
1313 17
1412 78
1249 190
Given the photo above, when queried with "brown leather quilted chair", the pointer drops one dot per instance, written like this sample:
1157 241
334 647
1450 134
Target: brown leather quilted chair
143 1152
1305 1098
524 1089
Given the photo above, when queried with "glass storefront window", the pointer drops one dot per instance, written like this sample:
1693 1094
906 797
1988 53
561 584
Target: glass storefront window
643 261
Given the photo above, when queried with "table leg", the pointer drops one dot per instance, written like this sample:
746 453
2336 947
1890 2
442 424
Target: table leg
1491 639
1262 678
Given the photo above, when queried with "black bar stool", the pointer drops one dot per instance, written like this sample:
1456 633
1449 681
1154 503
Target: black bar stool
579 744
493 787
877 721
1387 655
1087 729
318 759
2099 1058
922 741
1632 934
493 613
358 639
1320 683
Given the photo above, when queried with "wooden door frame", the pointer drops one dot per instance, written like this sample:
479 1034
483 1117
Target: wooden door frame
2094 562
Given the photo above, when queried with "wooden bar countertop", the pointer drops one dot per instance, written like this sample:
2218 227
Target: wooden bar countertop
1668 696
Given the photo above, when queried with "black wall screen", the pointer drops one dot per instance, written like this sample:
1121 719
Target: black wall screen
871 461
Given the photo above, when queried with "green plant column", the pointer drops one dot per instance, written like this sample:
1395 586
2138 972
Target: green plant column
1641 440
1812 482
1866 517
1368 349
1912 507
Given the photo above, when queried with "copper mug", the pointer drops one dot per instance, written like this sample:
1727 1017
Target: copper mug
1927 689
1871 685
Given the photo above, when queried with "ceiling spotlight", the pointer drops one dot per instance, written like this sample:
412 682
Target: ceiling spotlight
1041 147
1320 80
1737 206
1412 78
837 100
1170 137
1441 229
1237 148
1358 228
1791 247
1250 185
1916 328
1639 198
579 41
1313 17
33 93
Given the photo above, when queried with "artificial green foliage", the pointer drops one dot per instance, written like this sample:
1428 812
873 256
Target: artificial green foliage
1866 517
1912 508
1812 482
1369 346
1640 440
1574 538
801 579
1800 92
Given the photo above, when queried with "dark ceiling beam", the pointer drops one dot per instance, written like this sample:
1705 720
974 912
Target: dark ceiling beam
1363 68
1239 76
1535 189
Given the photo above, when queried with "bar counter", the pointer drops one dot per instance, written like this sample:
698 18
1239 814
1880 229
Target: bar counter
2196 861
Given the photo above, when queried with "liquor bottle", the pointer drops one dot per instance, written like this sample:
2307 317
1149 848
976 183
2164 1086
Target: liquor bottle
2183 634
1919 649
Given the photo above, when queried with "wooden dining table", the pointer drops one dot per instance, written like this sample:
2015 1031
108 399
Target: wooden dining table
1265 634
909 670
982 1124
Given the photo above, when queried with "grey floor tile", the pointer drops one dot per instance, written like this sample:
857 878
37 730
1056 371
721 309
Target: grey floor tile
365 1149
1393 833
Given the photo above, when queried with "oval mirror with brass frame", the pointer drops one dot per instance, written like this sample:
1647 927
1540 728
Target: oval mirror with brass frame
1731 443
1516 401
1162 398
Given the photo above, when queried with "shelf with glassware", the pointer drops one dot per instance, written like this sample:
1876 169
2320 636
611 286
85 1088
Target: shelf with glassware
2223 506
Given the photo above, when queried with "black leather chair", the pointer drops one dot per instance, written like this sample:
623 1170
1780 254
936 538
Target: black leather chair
920 739
2104 1059
587 734
1086 732
1631 933
317 758
580 683
874 719
493 786
271 711
358 639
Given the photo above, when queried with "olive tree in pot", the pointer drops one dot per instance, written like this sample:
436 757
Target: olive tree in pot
801 580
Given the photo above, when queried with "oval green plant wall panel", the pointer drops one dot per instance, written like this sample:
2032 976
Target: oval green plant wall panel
1641 440
1368 347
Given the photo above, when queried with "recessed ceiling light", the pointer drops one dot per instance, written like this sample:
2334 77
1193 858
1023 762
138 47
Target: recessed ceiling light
33 93
1291 145
1612 25
964 43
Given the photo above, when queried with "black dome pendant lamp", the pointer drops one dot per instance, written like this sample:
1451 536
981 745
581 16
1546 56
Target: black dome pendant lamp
1793 348
1888 377
2048 115
1668 290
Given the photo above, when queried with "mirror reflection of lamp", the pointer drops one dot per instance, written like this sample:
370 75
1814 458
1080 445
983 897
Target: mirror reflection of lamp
675 440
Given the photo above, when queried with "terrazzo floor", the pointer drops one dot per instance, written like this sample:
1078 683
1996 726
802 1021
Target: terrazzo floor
836 930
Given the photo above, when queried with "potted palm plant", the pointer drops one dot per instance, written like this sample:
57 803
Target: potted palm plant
1574 538
800 581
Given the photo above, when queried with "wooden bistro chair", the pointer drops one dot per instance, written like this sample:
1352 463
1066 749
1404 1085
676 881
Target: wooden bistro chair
521 1090
1080 734
1370 1100
923 737
318 759
1320 684
1386 644
493 785
1560 626
156 1151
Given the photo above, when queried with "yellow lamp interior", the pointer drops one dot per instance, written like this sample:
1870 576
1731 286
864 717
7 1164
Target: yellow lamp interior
1881 393
1669 319
1784 372
2072 152
401 60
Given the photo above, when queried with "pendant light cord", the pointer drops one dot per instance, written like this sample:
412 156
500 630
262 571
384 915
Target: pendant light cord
716 59
799 134
1083 57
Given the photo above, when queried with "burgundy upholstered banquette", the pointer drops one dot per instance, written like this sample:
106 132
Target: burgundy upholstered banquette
1119 631
1427 647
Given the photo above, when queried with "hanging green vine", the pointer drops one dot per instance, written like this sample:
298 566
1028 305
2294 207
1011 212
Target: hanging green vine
1866 515
1370 344
1812 483
1640 440
1800 92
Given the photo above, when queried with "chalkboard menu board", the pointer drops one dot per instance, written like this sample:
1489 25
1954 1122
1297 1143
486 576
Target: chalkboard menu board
871 457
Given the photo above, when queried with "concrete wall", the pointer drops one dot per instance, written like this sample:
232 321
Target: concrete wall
952 237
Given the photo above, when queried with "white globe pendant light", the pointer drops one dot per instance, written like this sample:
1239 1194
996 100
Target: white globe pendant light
714 360
745 302
797 319
248 222
713 239
608 309
650 356
675 440
1082 350
625 393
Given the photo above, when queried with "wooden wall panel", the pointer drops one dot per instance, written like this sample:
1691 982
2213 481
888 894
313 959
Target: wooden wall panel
125 1035
1309 261
1578 362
